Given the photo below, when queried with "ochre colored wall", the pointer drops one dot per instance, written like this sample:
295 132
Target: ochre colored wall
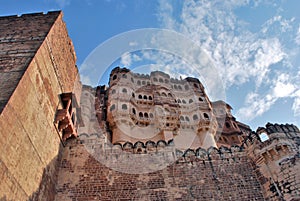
29 143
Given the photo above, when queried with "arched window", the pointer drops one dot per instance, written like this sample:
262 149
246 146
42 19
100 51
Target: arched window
124 76
196 86
132 80
175 86
138 82
169 95
124 90
179 87
151 115
112 107
140 114
140 96
227 125
181 118
115 77
164 94
166 81
187 118
155 79
133 111
195 117
150 98
178 101
145 97
183 101
161 80
113 91
263 137
205 115
200 99
143 82
146 115
191 100
133 95
124 107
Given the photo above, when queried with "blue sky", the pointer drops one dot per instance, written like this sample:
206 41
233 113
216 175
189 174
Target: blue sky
253 44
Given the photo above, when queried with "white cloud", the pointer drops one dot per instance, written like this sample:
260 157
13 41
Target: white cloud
283 88
277 22
242 57
256 105
128 58
297 38
166 10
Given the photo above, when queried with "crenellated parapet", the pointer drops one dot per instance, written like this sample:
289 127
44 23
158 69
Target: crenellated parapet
275 151
150 147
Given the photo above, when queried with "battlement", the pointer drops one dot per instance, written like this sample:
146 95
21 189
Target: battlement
278 128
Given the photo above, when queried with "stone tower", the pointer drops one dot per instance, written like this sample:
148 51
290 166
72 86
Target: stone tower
275 150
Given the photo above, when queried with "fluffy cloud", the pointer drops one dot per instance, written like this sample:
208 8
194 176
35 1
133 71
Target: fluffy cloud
242 57
256 104
282 87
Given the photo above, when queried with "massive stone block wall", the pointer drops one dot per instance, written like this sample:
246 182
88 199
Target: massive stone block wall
214 175
29 142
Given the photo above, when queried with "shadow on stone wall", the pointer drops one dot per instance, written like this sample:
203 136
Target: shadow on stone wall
47 187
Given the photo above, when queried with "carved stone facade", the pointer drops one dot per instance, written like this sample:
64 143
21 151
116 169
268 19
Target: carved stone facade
156 107
230 132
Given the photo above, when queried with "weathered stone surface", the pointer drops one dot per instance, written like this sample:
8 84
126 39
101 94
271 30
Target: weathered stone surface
32 75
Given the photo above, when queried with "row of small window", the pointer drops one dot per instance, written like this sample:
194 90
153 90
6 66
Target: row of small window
232 139
190 101
124 90
143 115
145 97
113 107
227 124
195 117
186 118
139 82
